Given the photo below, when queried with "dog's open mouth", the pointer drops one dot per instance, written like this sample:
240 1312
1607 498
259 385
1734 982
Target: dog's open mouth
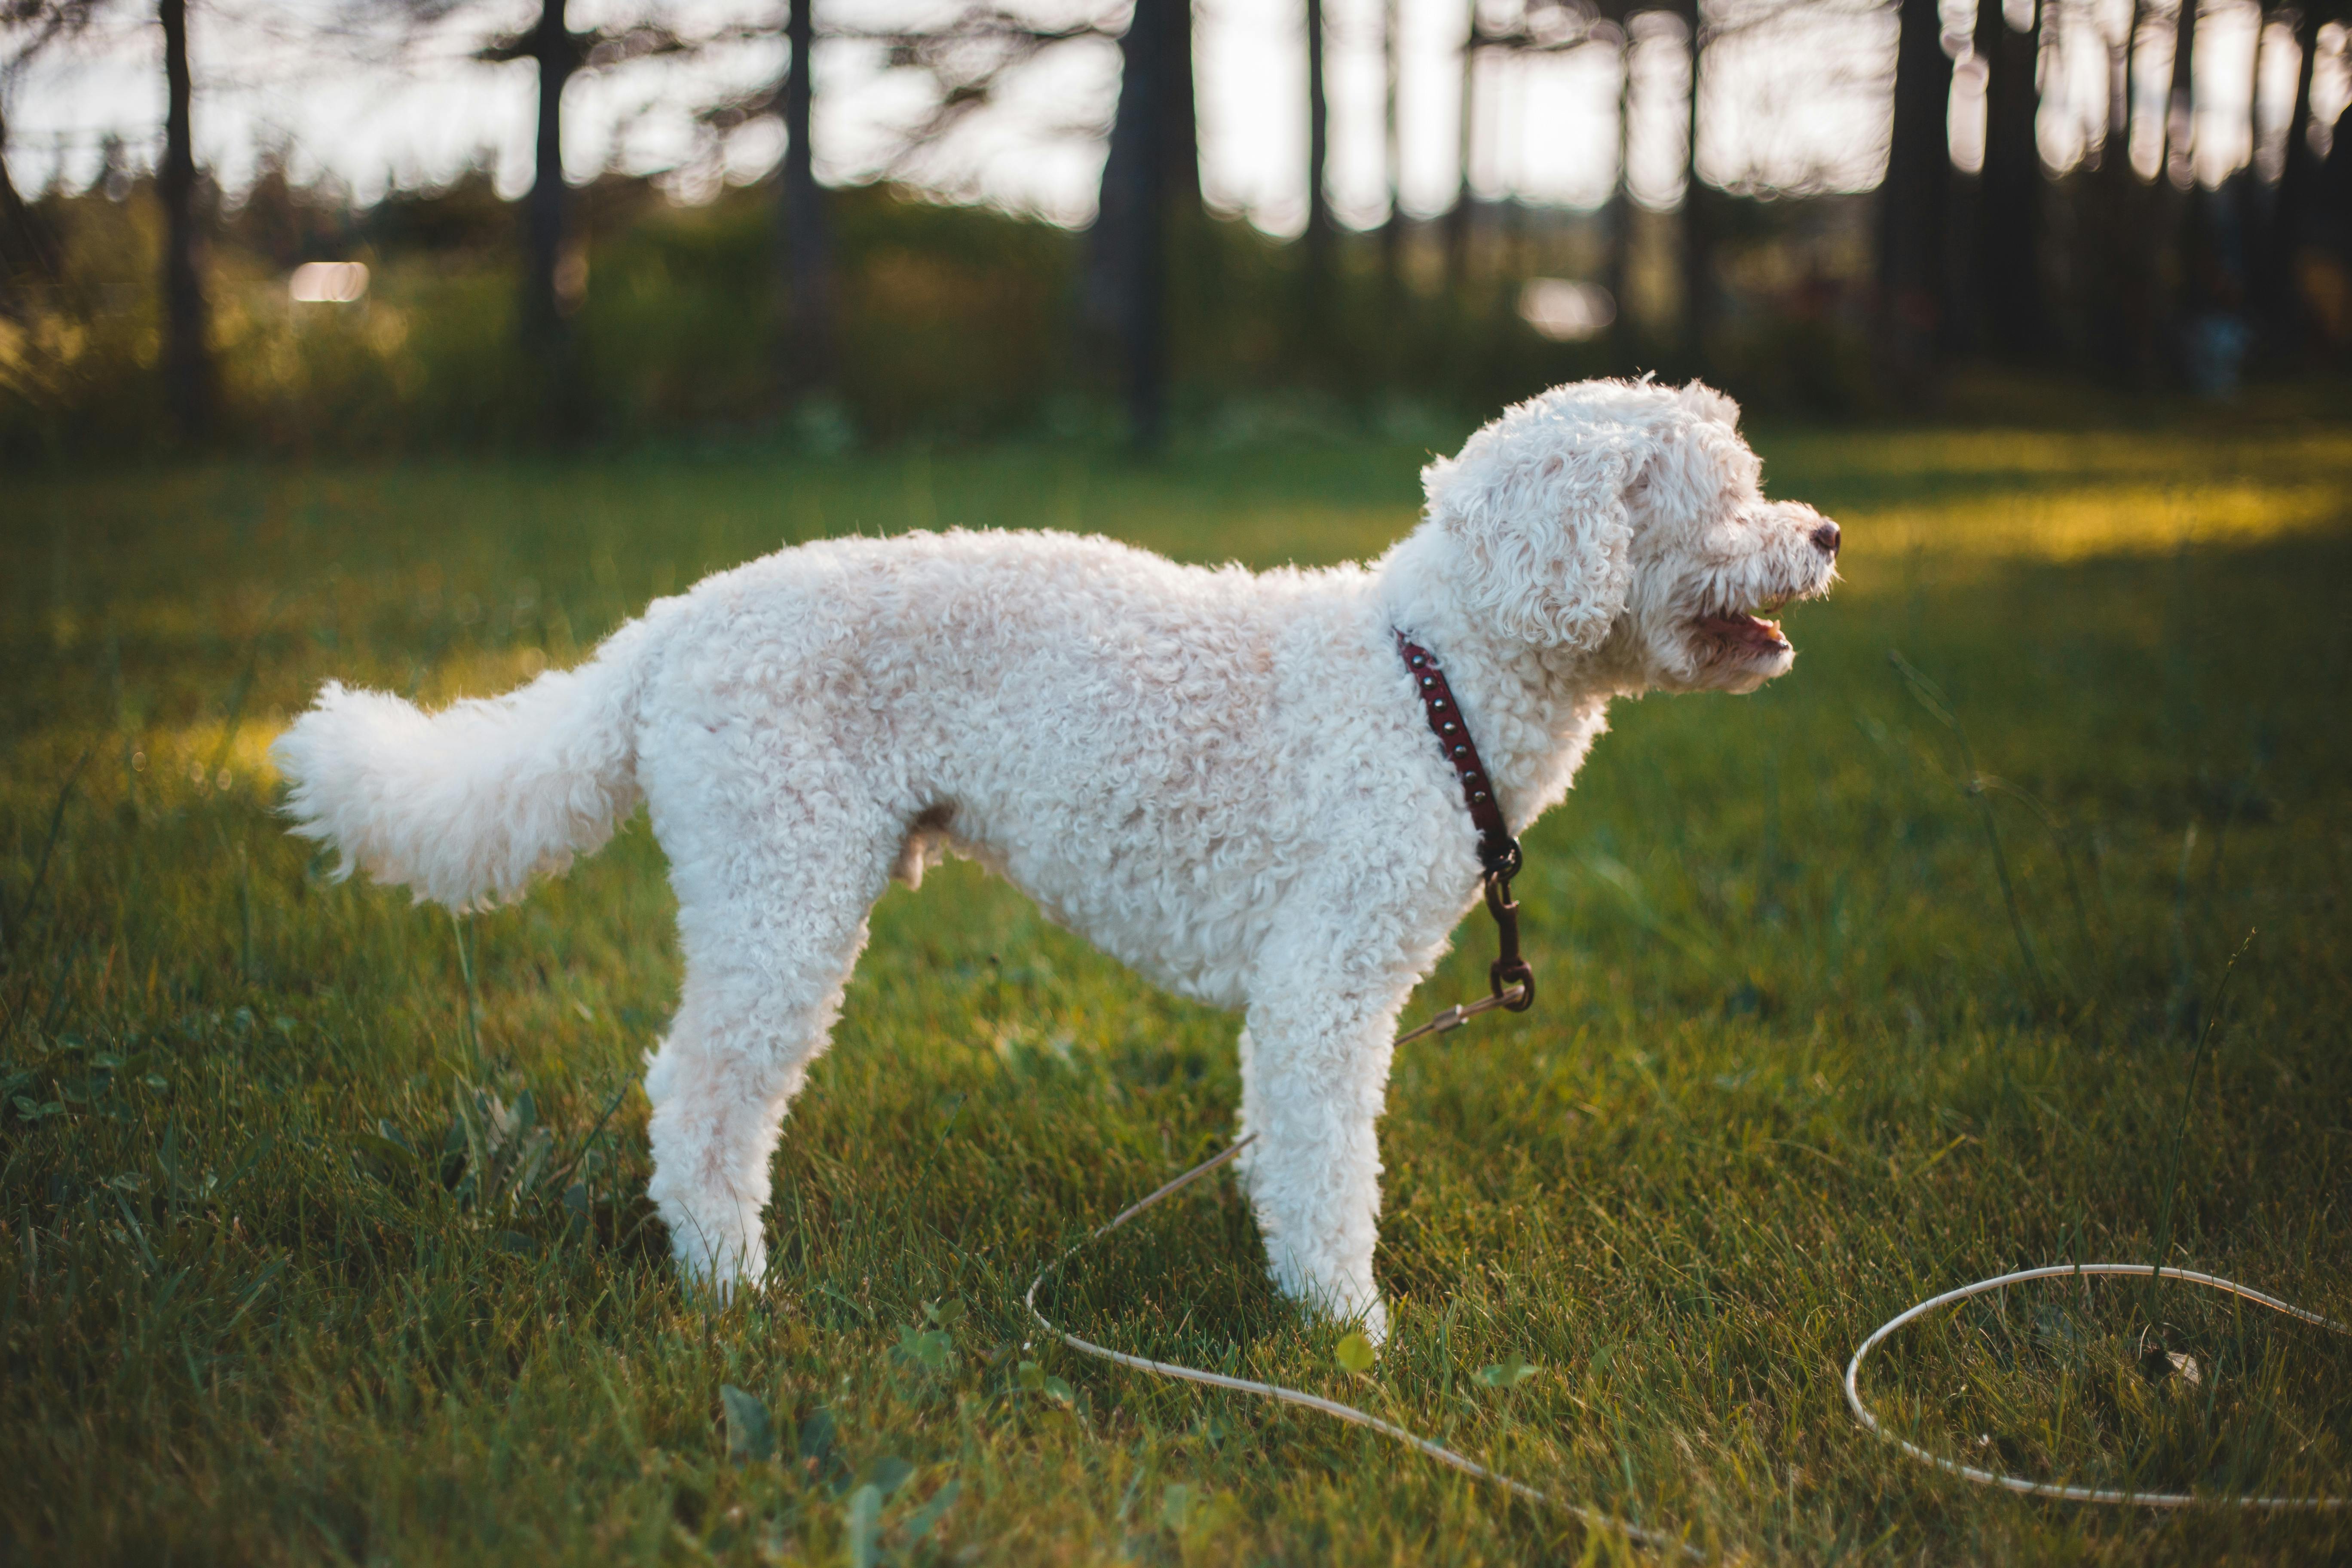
1744 632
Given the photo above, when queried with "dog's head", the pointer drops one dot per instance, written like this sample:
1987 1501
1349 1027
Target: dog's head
1627 520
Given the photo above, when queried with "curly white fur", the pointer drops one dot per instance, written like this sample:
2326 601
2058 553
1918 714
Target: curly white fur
1222 778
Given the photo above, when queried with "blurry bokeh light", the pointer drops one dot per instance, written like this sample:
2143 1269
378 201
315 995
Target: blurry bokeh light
1565 310
328 282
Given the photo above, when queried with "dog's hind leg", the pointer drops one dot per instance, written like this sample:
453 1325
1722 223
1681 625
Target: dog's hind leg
775 869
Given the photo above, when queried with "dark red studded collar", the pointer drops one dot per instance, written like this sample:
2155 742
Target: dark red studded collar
1498 852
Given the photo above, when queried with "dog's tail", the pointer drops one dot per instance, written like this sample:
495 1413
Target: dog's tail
467 806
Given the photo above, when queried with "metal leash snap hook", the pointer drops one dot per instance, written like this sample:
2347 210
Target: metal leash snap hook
1499 902
1508 979
1511 980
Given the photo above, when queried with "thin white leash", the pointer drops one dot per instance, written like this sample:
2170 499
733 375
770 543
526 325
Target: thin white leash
1504 995
2051 1489
1332 1408
1594 1518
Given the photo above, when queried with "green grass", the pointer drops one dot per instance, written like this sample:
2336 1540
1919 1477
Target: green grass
285 1276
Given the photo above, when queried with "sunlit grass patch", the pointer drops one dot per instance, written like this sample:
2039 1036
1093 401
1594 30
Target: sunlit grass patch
206 757
2066 497
2069 525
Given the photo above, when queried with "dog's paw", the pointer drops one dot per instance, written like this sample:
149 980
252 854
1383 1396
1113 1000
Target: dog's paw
1357 1308
718 1277
720 1291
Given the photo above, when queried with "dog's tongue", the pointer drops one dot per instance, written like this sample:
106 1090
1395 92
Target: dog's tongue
1750 629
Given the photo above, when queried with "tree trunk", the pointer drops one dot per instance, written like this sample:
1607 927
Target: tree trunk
805 246
2008 192
1180 120
2173 215
2280 292
1318 149
1126 292
28 252
1392 153
2120 234
1457 217
2302 163
188 363
2180 104
1619 266
1699 238
1912 204
546 329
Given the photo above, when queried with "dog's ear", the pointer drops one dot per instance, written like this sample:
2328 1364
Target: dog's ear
1542 531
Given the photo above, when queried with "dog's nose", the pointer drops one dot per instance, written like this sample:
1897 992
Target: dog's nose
1825 538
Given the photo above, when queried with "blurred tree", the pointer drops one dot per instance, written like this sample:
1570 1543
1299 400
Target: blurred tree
1542 26
1617 268
281 222
804 245
967 55
29 251
2180 102
2278 290
2007 250
2116 226
1319 150
2328 229
1457 217
1698 230
1391 150
555 273
1151 167
187 359
555 53
1914 202
464 218
2301 163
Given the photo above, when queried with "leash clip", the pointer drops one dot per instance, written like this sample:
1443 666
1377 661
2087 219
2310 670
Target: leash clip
1509 977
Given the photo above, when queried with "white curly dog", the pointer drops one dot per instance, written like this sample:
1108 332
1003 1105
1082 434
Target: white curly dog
1224 778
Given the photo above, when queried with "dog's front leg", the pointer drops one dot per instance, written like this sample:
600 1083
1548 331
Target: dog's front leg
1315 1067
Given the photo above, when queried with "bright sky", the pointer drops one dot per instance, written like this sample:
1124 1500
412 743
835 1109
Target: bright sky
1798 101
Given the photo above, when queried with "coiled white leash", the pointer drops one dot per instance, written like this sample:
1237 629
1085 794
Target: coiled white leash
2051 1489
1862 1413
